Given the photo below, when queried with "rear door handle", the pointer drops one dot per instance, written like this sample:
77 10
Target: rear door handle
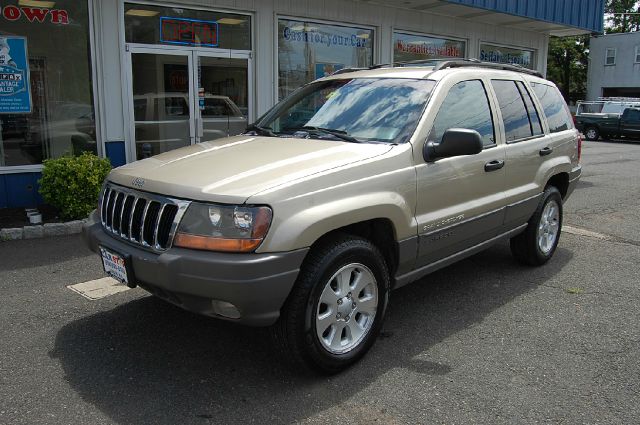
545 151
493 165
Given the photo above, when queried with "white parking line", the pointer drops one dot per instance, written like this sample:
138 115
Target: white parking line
99 288
584 232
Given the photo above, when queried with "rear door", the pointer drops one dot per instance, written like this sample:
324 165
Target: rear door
526 146
460 199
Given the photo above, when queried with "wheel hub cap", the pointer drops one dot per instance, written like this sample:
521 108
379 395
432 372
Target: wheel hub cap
549 227
347 307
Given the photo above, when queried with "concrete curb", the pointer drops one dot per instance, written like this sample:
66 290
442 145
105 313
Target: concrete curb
41 231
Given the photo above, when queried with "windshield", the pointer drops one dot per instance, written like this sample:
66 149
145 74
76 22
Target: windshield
359 109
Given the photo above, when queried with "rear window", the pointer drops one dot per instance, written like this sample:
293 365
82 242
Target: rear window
554 107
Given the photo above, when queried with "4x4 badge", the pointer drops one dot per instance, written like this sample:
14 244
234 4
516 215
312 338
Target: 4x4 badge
137 182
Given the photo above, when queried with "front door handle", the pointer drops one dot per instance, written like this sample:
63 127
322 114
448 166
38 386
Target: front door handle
545 151
493 165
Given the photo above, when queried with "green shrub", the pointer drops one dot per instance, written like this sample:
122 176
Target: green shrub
72 183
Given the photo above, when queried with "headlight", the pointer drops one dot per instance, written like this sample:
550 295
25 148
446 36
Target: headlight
223 228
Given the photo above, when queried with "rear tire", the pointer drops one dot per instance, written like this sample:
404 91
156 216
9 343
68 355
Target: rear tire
592 133
335 311
536 245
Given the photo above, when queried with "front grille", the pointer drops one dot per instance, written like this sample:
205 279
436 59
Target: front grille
140 218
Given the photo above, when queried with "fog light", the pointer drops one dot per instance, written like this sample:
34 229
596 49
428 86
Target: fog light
226 309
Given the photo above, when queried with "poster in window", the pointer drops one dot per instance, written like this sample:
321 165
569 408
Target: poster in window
15 94
411 47
501 54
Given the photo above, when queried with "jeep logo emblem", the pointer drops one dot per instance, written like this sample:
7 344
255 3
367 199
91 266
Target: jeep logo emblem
137 182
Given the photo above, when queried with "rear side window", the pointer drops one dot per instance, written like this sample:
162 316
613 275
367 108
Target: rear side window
534 119
466 106
514 112
554 107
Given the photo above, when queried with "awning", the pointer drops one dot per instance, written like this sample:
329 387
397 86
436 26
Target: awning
553 17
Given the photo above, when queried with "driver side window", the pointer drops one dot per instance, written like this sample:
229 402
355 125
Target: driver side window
466 106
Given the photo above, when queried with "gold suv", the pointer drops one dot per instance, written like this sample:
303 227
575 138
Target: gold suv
356 184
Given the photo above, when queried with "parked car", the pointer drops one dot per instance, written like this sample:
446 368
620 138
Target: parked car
356 184
611 126
162 121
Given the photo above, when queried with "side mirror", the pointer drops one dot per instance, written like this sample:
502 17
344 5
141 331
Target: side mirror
455 142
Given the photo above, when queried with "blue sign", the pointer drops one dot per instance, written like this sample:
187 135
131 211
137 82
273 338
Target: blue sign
15 95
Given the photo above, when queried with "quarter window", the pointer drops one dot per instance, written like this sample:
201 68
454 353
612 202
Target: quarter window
466 106
555 109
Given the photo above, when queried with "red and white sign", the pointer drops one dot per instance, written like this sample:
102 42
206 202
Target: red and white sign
34 14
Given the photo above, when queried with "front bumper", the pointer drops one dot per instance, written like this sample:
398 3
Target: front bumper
256 284
574 176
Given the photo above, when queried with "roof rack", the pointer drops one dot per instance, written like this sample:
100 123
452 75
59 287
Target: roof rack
352 69
463 63
439 64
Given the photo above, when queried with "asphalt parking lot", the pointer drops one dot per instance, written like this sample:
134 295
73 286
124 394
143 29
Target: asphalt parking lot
483 341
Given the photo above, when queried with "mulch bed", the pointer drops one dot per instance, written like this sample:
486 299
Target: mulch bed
17 217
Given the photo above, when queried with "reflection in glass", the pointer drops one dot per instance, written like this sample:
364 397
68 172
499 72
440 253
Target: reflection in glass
512 108
224 83
554 107
62 120
142 25
310 50
466 106
160 103
384 110
408 47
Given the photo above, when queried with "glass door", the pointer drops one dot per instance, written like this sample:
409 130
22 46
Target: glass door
223 95
182 96
162 104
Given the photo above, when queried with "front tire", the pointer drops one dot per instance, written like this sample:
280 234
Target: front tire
536 245
335 312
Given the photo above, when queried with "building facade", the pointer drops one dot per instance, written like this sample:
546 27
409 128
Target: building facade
130 79
614 66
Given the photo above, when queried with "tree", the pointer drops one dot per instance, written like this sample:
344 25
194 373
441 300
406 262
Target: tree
567 65
622 16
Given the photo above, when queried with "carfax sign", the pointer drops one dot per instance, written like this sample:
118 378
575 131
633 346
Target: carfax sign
15 95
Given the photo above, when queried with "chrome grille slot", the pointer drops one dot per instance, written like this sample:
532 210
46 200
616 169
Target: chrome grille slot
117 212
150 219
125 221
144 219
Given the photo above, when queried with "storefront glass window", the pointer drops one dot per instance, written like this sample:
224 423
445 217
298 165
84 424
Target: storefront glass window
499 54
310 50
46 104
407 47
187 27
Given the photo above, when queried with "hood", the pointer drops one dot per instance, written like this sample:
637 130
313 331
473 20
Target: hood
230 170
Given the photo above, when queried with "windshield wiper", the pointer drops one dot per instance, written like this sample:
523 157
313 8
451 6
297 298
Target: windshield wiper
261 131
340 134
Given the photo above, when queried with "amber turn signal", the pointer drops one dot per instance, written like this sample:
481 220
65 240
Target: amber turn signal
207 243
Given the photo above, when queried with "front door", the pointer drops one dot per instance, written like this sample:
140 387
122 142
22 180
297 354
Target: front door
460 199
181 96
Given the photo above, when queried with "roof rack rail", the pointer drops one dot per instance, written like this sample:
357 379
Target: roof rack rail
351 69
439 64
462 63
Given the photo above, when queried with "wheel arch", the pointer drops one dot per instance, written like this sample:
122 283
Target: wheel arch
560 181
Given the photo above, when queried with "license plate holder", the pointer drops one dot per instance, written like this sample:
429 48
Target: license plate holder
117 266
